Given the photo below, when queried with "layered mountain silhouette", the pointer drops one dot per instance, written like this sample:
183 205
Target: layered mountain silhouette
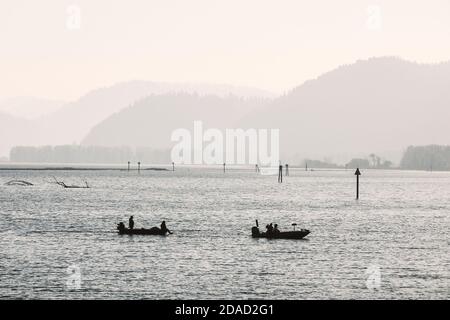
74 120
71 122
151 121
378 105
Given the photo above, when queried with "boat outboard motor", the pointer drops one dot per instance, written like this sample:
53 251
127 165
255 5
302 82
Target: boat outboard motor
255 231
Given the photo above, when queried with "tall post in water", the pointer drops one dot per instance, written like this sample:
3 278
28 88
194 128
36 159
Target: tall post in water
173 166
224 167
139 167
306 166
357 174
128 165
287 170
280 174
256 168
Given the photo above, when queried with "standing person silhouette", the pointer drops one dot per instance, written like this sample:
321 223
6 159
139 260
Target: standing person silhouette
131 223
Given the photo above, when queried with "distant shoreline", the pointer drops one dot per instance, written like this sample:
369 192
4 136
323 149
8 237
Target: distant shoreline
77 169
166 169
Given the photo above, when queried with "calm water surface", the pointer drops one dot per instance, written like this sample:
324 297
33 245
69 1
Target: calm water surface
393 243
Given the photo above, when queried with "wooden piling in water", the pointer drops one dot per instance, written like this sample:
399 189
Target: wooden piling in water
173 166
128 165
139 167
280 174
287 170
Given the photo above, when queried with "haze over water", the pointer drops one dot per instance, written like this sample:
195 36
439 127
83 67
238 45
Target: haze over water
399 228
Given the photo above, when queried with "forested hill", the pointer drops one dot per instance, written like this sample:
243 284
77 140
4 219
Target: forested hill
431 157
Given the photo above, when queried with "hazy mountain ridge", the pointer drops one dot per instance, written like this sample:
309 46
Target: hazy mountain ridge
72 122
76 119
350 111
150 121
353 110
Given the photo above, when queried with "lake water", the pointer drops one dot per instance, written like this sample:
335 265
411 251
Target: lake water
62 243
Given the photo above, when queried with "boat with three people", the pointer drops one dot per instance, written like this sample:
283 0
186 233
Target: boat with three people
273 232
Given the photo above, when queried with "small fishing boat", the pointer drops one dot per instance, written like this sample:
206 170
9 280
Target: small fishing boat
295 234
155 231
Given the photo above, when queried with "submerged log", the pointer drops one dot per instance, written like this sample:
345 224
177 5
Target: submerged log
18 183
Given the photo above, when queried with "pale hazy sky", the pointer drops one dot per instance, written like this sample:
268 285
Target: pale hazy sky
274 44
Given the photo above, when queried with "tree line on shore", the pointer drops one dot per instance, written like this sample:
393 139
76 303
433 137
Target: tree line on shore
89 154
428 158
431 157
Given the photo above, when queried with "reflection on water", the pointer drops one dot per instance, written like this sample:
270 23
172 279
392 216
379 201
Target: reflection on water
61 243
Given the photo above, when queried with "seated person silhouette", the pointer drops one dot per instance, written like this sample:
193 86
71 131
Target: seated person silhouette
121 227
164 228
275 229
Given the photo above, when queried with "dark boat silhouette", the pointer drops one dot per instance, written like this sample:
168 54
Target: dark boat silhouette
155 231
299 234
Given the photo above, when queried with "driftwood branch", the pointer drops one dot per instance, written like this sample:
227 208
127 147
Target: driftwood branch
62 184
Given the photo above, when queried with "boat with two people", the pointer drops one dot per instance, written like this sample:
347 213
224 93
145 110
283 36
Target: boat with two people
162 231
